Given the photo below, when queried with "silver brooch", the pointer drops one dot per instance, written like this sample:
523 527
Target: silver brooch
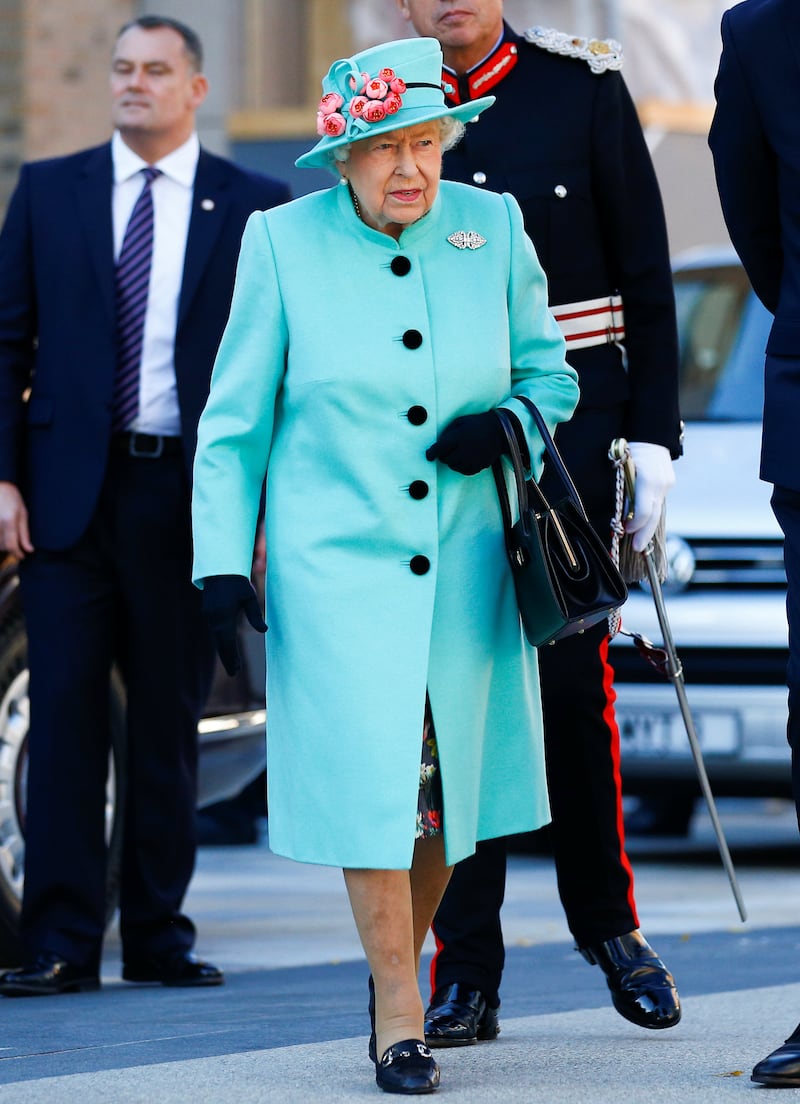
466 239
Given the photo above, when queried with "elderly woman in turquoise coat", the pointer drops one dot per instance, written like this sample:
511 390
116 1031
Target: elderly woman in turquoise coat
374 329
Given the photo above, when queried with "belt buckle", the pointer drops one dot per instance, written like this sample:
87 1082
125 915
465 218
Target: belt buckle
147 454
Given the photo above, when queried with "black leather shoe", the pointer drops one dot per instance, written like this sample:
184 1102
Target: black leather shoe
781 1069
47 976
458 1016
642 988
407 1067
182 969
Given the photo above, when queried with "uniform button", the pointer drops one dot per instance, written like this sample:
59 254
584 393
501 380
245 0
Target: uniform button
412 339
479 178
560 191
418 489
417 415
400 266
420 565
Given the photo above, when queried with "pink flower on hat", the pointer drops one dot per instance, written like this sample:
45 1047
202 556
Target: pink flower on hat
374 112
330 102
353 82
331 125
376 89
375 98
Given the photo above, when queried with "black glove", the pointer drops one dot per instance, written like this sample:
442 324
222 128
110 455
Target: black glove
224 598
470 443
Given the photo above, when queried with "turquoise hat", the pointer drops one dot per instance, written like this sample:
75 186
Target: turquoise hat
397 84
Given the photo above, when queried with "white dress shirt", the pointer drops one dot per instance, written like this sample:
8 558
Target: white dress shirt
172 207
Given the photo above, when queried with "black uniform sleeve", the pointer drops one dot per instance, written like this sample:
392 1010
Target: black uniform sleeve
747 174
633 225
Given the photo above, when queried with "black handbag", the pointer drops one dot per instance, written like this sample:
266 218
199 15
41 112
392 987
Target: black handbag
564 577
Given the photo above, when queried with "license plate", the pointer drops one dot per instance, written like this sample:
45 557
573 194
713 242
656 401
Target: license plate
664 735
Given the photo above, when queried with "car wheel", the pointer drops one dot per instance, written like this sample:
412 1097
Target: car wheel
14 722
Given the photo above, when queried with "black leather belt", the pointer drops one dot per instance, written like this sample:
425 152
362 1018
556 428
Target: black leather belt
146 446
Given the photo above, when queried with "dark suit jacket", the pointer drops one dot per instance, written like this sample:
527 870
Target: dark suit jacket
57 324
755 140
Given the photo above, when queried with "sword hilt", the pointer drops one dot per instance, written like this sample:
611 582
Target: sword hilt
620 453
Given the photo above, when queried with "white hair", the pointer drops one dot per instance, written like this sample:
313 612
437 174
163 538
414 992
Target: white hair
450 133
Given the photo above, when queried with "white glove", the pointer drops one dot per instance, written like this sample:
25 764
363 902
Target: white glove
654 477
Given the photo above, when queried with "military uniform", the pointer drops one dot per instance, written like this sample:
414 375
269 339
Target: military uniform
564 138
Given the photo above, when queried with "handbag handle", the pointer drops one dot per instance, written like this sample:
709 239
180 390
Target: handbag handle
524 487
554 456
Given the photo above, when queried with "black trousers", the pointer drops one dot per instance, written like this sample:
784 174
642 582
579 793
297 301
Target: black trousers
786 507
122 595
595 880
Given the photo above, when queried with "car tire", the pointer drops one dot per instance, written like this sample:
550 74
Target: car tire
14 720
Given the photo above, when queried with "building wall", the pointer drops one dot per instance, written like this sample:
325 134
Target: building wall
11 66
66 51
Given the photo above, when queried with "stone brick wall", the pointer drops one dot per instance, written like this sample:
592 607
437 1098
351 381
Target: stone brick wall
66 61
54 58
11 98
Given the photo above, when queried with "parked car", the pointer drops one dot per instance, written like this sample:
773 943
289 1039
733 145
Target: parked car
726 590
231 739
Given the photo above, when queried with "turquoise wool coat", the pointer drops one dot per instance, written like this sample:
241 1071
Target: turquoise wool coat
386 573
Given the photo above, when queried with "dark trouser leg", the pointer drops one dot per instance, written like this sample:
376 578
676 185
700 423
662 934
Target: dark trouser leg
595 880
786 507
166 658
69 607
469 939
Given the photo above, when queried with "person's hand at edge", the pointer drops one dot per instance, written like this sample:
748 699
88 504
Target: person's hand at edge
224 598
654 477
14 529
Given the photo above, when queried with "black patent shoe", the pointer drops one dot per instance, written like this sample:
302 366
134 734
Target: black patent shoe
407 1067
48 976
642 988
181 970
781 1069
458 1016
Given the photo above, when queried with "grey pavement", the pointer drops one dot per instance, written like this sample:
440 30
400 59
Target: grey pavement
290 1024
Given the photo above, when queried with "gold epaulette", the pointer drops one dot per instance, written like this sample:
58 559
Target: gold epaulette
599 53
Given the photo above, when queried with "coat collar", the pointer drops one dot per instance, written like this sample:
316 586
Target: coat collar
481 79
94 184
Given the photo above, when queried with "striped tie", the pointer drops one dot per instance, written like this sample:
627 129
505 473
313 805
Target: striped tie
132 281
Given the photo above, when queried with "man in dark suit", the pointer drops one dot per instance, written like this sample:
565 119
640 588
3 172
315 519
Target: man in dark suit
564 138
116 274
755 138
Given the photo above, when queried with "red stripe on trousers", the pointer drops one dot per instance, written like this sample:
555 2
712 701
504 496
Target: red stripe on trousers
610 719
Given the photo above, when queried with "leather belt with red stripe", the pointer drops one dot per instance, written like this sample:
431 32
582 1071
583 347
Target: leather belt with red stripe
591 322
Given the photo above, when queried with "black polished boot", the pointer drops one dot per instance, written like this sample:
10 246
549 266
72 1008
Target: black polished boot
459 1016
48 976
642 988
781 1069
